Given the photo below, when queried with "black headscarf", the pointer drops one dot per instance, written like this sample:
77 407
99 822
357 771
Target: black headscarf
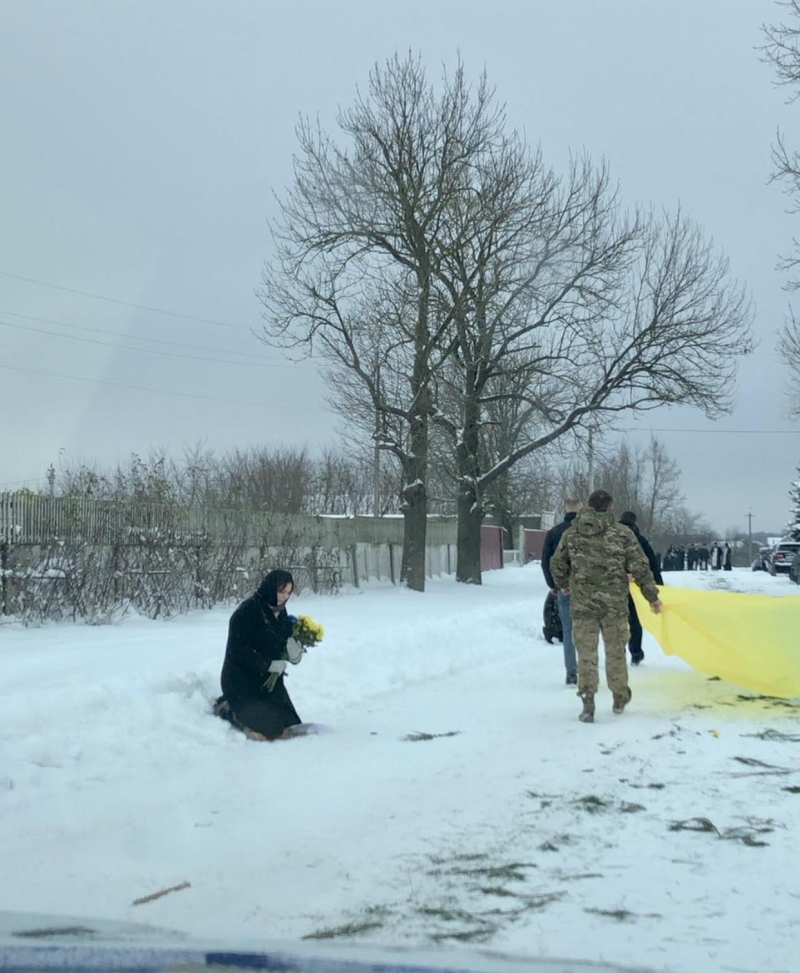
268 589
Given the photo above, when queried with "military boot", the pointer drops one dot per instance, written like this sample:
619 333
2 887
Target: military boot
587 716
621 700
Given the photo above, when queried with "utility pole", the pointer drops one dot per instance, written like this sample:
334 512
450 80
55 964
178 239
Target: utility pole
51 479
590 454
376 479
376 458
750 534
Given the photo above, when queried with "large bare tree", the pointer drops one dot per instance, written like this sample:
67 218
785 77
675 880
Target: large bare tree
445 269
359 242
578 313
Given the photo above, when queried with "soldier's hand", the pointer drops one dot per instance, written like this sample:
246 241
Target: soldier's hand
565 591
554 591
656 606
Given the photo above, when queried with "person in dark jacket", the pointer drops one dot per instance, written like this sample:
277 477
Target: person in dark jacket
635 643
572 507
258 633
727 558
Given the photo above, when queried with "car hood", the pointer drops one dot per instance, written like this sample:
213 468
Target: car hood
35 942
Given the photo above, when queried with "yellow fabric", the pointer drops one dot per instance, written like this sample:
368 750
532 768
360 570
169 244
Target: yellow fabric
750 640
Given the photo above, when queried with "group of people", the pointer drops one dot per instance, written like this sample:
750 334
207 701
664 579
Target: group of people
587 561
698 557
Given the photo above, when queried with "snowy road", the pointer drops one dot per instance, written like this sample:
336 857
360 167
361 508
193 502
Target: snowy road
514 826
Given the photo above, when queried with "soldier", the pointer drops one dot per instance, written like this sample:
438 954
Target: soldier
592 563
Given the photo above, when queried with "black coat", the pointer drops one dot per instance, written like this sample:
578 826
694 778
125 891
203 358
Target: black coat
551 543
650 554
256 637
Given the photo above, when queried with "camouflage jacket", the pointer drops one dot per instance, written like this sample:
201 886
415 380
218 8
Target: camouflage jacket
595 557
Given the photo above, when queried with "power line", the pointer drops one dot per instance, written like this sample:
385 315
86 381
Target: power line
143 388
133 337
148 351
751 432
115 300
28 479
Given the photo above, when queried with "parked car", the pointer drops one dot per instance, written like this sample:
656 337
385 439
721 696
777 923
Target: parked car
783 556
761 560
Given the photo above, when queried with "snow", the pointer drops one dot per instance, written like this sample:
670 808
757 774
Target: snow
514 828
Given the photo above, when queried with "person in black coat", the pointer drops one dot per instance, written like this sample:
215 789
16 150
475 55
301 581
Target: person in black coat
572 508
635 643
258 633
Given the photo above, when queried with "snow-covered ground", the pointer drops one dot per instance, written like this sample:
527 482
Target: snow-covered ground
510 825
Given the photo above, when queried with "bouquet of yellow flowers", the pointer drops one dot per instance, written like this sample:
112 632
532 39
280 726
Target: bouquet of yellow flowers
305 633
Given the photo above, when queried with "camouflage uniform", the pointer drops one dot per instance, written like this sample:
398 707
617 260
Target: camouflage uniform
593 560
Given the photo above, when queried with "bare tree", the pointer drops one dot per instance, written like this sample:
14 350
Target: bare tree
531 257
592 313
446 269
682 527
663 492
273 480
782 51
360 239
645 480
789 349
527 487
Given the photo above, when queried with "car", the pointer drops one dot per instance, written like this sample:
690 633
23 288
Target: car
762 558
783 557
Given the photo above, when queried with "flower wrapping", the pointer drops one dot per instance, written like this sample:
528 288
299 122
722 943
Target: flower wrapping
305 631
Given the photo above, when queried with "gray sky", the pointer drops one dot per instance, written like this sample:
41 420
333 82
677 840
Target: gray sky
142 140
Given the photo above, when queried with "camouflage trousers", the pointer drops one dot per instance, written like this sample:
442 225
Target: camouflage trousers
588 623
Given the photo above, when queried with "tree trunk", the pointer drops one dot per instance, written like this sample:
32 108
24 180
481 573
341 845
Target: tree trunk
470 507
415 499
470 518
415 464
415 528
498 505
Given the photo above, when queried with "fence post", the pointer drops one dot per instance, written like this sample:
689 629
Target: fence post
354 554
391 562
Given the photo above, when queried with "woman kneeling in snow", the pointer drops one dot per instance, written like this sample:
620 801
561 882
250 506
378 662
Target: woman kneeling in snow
259 642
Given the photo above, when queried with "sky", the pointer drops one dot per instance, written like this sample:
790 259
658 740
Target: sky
144 143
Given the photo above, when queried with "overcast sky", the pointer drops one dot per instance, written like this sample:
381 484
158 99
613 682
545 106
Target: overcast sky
142 141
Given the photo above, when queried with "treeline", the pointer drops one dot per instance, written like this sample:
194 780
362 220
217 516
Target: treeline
338 482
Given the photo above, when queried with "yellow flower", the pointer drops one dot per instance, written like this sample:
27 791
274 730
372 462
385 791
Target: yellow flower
307 631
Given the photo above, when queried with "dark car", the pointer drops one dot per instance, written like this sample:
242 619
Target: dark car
783 556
